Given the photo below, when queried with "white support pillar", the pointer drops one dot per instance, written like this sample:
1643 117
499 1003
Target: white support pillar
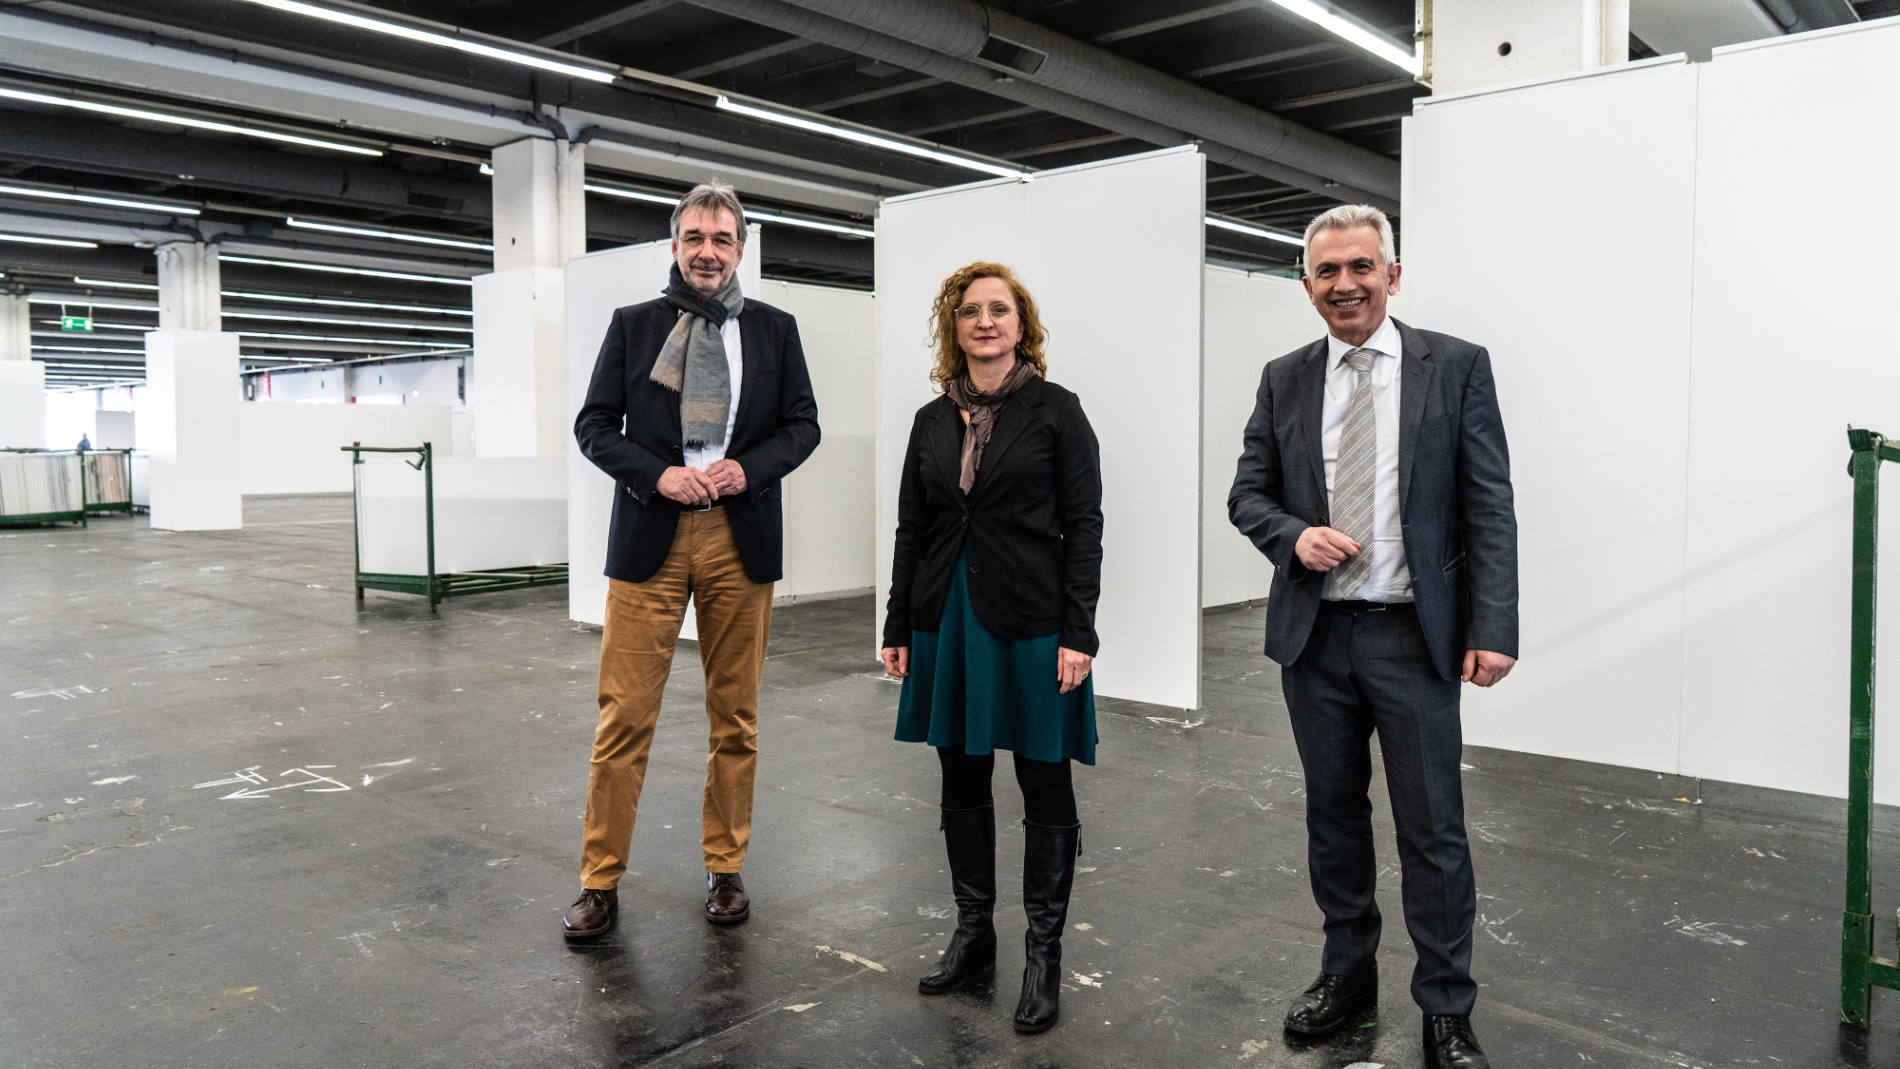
16 332
192 385
188 288
539 203
518 374
1475 43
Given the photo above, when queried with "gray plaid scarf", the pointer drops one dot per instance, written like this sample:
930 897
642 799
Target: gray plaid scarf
692 363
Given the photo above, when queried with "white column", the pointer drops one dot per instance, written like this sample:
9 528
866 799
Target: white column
188 289
16 336
1475 43
539 204
191 379
518 373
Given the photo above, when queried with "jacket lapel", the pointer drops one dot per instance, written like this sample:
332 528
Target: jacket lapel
752 354
1414 387
1011 419
1309 401
944 442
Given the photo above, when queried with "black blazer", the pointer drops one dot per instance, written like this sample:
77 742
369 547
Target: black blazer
629 426
1455 502
1031 525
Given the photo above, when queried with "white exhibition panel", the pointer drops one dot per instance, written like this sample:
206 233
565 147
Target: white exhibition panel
1675 395
114 430
831 500
490 512
193 399
515 388
298 449
1786 355
596 284
23 405
1123 307
1251 319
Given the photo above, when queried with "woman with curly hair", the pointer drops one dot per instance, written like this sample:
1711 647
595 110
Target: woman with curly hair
991 617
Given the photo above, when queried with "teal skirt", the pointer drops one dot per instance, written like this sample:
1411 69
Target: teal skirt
969 689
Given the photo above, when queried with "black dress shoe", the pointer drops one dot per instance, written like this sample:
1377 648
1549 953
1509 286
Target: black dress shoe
726 900
592 915
1331 1002
1449 1043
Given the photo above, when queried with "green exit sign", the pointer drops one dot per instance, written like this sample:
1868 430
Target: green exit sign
76 324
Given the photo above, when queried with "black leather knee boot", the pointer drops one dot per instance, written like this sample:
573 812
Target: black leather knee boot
969 835
1048 873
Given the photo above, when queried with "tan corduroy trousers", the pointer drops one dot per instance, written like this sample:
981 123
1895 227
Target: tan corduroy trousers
734 618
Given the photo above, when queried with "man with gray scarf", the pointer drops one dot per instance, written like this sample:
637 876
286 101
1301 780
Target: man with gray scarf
700 404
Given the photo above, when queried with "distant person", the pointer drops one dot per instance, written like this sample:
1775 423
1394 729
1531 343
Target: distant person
1375 477
700 404
85 442
991 617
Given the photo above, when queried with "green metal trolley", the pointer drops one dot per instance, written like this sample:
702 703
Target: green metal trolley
433 585
1862 969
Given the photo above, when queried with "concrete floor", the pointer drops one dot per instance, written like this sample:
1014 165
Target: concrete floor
390 891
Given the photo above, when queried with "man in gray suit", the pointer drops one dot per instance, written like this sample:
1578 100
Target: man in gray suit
1376 479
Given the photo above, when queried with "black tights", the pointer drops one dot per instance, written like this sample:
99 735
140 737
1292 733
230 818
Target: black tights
1048 791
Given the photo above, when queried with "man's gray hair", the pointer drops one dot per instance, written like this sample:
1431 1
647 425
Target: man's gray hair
713 197
1350 216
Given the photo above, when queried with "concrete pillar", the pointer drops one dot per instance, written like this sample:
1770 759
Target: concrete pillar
16 332
192 392
1470 44
188 290
540 206
518 373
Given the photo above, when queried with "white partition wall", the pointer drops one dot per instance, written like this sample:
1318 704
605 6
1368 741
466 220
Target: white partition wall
192 381
23 405
831 500
1788 349
1251 319
298 449
1113 254
1675 393
596 284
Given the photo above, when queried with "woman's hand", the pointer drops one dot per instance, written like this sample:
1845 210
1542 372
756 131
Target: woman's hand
1071 669
896 660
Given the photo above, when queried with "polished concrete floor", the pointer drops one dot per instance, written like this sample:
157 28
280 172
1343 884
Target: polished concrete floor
245 822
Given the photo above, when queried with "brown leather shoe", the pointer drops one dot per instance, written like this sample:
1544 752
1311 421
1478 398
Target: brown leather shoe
592 915
726 900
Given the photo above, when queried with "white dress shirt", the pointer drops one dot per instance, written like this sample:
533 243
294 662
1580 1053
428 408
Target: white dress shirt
735 372
1390 579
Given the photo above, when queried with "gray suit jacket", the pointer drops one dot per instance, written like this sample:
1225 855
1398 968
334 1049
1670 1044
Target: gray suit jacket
1455 505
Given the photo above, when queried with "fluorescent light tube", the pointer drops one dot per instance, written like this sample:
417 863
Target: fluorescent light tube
341 303
1243 228
440 40
334 269
89 198
353 341
812 224
185 120
115 285
861 137
1353 33
347 322
67 243
393 235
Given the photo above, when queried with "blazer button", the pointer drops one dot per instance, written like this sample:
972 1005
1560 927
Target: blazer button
974 568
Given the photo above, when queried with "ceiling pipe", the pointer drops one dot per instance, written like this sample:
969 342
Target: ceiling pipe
1005 56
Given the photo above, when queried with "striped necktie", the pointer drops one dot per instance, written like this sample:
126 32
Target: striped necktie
1354 475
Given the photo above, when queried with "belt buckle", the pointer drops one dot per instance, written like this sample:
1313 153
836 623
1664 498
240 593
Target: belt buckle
707 507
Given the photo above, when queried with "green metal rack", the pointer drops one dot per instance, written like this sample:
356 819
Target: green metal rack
1862 969
77 516
433 585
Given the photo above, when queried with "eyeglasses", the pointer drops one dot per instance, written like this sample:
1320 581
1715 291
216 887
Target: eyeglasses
999 310
722 242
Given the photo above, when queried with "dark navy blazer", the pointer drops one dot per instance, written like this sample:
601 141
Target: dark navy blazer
629 426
